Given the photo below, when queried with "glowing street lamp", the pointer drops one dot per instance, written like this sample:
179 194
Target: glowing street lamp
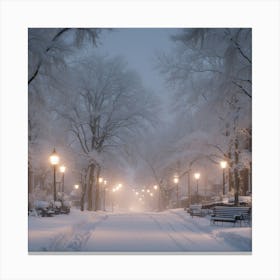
197 177
113 192
223 165
176 181
104 196
100 180
155 187
62 169
76 187
54 160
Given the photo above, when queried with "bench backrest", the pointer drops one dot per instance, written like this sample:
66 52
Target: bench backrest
195 207
231 211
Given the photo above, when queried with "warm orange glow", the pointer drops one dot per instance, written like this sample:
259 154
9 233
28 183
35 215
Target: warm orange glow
76 186
155 187
62 168
100 180
197 176
176 180
54 158
223 164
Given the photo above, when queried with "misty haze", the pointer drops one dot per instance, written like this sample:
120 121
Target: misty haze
139 140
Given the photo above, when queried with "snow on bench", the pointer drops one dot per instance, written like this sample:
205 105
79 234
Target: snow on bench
196 210
43 208
230 214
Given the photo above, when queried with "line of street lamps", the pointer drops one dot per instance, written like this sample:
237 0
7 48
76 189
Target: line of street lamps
103 182
223 165
54 160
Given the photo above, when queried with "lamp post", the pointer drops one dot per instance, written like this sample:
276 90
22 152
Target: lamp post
197 176
113 191
54 160
62 169
223 165
104 197
176 181
156 188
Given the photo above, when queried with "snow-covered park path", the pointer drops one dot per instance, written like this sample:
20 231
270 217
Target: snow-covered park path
169 231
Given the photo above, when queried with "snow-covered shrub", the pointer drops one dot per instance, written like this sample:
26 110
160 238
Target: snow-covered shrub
41 204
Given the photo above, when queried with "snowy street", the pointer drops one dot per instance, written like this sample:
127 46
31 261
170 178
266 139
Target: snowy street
169 231
163 123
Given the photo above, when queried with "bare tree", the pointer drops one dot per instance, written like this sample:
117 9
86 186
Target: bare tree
107 104
210 74
50 45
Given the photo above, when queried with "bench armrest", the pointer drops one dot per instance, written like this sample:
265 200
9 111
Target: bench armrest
238 217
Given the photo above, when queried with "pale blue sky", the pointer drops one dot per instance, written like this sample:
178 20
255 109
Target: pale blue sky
138 47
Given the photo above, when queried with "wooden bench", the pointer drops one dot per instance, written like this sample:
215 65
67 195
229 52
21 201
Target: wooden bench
43 208
230 214
46 212
196 210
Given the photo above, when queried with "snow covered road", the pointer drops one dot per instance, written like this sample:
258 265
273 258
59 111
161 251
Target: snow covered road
169 231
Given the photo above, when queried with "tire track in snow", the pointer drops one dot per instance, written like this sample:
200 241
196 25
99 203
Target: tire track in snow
181 237
178 244
188 224
76 238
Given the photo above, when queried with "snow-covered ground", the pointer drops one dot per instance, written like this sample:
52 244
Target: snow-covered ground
168 231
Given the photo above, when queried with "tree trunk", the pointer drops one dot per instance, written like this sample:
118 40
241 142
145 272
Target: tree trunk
30 178
236 172
90 182
236 187
83 198
83 189
97 192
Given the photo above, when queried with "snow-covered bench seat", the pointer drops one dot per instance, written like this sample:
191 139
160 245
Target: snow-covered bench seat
230 214
196 210
43 208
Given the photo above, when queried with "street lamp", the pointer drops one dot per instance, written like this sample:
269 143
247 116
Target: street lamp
157 188
197 176
176 181
223 165
112 196
76 187
104 199
54 160
62 169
